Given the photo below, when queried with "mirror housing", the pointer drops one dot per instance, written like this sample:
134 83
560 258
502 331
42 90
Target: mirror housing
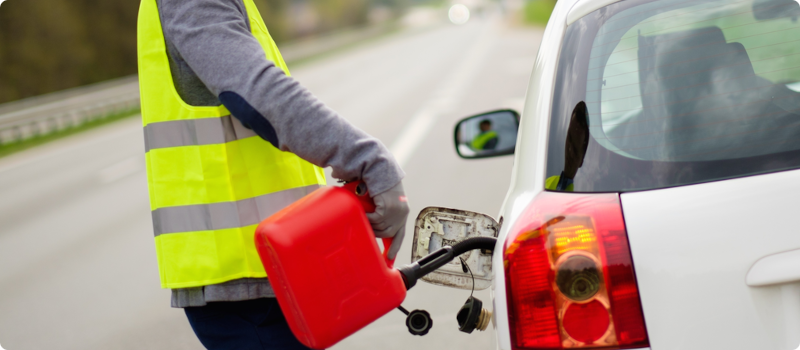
438 227
487 134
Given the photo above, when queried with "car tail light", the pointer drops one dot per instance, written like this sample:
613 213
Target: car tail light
569 275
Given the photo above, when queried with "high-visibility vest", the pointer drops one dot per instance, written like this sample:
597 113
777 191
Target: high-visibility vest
210 179
482 139
551 183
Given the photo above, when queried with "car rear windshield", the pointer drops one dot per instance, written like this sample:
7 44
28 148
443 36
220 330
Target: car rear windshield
654 94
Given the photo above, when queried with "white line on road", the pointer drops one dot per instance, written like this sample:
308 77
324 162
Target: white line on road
444 98
121 169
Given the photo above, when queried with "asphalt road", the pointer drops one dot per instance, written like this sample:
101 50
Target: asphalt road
77 262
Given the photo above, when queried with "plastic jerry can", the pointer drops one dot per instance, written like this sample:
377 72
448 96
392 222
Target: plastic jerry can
322 259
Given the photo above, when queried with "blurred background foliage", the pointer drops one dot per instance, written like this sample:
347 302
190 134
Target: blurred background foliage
537 12
51 45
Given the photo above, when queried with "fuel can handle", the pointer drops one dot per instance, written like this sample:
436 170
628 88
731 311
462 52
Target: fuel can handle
359 188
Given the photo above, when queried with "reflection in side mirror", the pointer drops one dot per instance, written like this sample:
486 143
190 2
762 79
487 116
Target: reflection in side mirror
438 227
487 135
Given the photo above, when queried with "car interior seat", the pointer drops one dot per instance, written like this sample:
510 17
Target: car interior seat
702 99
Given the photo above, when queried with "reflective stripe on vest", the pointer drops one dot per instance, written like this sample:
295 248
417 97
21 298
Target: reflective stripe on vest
194 132
219 216
211 180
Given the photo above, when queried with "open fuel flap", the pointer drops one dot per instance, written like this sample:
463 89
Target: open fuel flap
437 227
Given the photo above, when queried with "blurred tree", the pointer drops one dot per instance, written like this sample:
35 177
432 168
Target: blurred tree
342 13
273 12
51 45
537 12
42 52
110 35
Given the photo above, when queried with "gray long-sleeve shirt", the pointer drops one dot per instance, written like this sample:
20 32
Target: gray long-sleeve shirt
215 59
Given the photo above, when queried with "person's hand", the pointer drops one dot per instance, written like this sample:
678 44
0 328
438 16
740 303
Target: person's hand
389 218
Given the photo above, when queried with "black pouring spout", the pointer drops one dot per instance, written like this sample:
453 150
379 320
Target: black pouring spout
416 270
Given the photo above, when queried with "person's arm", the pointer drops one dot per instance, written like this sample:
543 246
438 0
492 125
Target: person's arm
214 39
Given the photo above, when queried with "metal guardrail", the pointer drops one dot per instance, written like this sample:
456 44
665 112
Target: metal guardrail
42 115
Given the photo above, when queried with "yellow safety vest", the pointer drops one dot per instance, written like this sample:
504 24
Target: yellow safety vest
551 183
211 180
482 139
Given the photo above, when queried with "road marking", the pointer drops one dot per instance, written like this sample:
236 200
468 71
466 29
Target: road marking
444 98
121 169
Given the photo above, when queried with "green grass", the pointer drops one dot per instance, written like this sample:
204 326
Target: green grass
14 147
538 11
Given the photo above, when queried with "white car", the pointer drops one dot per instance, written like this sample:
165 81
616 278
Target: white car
655 185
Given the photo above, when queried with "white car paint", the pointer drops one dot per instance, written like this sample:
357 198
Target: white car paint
526 181
584 7
680 274
692 249
527 176
775 269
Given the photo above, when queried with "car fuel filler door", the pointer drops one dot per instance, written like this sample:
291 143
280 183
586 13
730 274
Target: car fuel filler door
437 227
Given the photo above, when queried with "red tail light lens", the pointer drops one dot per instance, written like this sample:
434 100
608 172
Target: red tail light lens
586 323
569 276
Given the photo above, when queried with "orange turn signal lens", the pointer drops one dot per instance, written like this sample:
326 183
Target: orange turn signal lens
572 233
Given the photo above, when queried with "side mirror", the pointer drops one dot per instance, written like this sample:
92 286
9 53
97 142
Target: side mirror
487 135
438 227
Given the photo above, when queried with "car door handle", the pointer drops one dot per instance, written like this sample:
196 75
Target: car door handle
775 269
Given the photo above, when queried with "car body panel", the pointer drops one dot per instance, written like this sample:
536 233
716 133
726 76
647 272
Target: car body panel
769 320
527 178
783 267
584 7
693 247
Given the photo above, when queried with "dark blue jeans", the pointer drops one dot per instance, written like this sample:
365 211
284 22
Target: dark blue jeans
249 324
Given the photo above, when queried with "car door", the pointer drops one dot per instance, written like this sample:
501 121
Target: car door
717 263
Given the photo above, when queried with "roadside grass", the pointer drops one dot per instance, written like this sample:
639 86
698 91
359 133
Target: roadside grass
537 12
18 146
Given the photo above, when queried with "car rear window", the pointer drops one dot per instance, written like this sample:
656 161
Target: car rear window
654 94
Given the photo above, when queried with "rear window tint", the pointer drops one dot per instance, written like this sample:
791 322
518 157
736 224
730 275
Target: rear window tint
676 92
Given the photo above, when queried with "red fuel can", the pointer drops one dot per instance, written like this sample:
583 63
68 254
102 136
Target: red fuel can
324 264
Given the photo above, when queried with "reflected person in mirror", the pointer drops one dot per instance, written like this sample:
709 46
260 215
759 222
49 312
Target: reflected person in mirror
574 151
487 139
